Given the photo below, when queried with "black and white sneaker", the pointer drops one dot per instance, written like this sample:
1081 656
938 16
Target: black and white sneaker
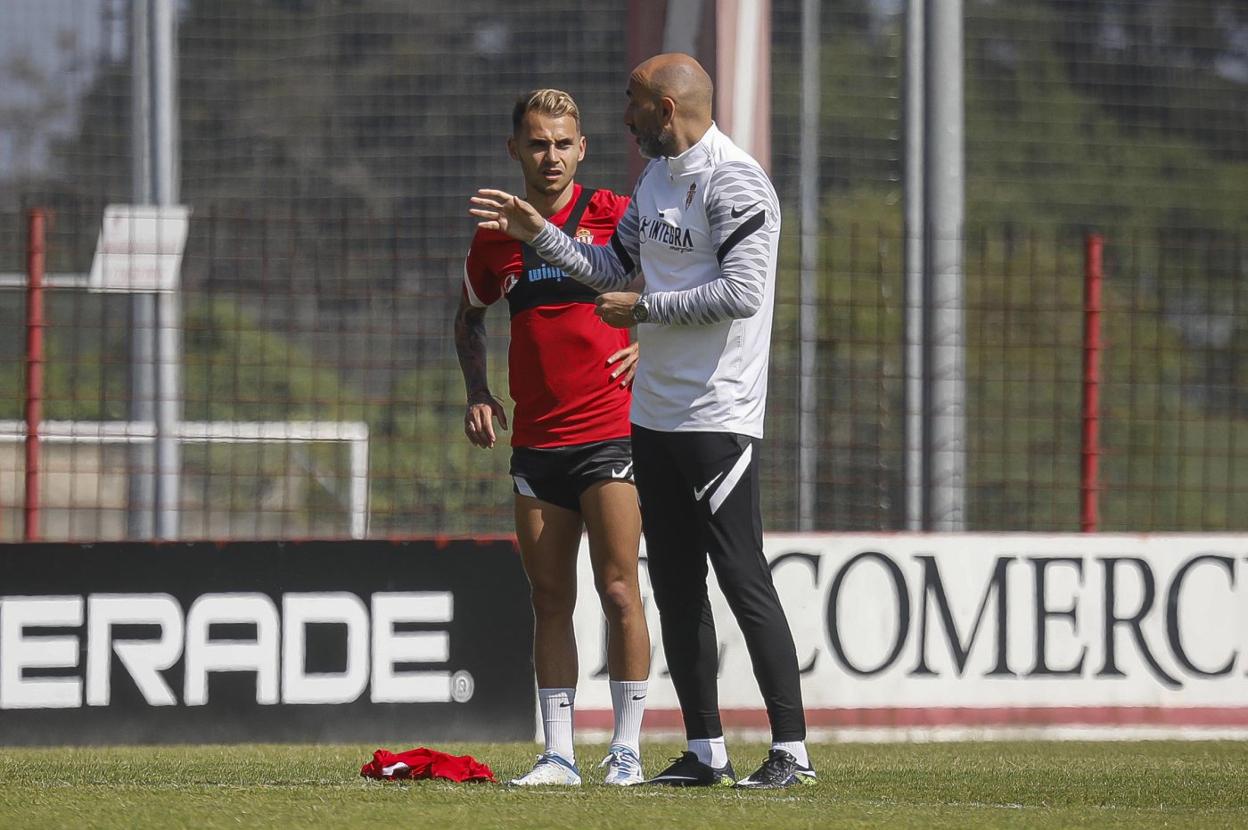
688 771
780 770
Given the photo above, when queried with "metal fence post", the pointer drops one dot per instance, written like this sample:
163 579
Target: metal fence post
944 200
168 303
142 457
808 431
914 458
1090 455
35 324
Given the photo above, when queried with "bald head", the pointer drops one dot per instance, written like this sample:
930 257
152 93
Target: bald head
669 104
678 76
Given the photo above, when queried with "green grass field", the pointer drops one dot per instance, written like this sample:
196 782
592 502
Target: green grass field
963 785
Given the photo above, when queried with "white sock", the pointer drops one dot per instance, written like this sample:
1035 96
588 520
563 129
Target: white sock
557 705
711 751
628 701
795 748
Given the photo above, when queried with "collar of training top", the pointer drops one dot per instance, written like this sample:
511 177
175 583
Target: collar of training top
698 157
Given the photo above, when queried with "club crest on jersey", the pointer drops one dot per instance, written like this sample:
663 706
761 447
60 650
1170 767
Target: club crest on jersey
689 196
510 283
584 235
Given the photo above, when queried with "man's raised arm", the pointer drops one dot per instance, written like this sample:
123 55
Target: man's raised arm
601 267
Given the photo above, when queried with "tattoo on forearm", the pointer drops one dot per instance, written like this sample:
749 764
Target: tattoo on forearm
470 346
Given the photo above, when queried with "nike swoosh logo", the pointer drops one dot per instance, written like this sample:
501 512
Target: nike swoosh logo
639 697
737 212
564 705
624 472
698 494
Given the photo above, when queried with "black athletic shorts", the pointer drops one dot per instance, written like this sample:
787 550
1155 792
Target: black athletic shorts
560 474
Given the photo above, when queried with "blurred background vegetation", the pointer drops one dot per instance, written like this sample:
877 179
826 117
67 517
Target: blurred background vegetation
328 147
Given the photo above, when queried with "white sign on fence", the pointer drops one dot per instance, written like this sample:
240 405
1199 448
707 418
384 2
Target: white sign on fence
139 249
929 630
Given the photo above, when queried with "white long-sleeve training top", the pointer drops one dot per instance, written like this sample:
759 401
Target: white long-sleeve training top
704 228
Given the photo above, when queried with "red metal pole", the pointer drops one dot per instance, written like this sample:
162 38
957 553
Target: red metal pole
1089 483
34 366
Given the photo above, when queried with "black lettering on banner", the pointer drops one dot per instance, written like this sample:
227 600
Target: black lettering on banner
1172 615
903 613
1135 622
812 561
934 586
1040 565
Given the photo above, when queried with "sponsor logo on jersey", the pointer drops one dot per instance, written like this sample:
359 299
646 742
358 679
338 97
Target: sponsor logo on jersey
546 272
673 236
584 235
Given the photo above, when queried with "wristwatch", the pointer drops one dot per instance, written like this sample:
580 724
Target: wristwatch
641 312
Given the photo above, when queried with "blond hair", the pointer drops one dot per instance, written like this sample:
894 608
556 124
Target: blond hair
551 102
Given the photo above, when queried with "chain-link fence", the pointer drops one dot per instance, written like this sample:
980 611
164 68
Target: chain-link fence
327 150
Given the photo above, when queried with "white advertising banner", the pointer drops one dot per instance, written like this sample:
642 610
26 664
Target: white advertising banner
979 630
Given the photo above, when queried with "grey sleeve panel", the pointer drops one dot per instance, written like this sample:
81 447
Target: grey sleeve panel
744 218
598 266
601 267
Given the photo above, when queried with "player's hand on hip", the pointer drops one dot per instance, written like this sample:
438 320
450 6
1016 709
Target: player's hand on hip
625 363
615 308
479 417
498 210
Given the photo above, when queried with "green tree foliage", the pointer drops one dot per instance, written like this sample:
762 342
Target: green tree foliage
306 120
1139 60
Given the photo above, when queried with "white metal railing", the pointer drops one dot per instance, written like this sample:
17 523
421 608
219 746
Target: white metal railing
352 433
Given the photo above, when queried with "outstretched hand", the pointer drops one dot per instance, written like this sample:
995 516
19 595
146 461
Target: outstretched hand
498 210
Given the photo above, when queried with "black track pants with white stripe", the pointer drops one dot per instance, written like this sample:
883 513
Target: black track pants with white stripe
699 495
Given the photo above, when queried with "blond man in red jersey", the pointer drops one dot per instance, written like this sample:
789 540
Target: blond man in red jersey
569 375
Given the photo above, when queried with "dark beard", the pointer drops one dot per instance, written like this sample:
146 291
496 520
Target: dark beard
654 146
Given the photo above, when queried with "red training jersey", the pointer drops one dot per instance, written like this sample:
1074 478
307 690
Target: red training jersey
557 361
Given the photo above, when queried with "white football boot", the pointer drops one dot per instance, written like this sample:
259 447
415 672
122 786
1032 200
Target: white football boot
623 767
551 770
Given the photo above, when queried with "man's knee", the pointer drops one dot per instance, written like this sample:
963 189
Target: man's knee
620 598
680 604
747 582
